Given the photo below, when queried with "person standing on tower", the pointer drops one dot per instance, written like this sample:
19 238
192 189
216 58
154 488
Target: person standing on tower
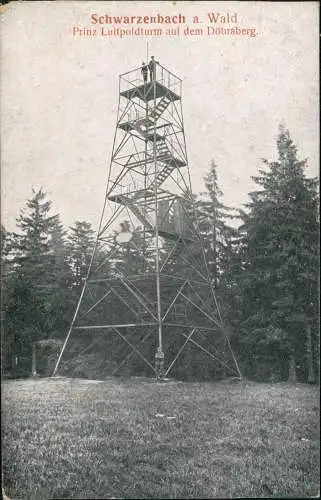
152 68
145 72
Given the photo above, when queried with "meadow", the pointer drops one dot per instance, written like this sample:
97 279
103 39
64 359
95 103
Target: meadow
136 438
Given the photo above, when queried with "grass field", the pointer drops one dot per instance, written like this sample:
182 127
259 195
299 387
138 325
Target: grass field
135 438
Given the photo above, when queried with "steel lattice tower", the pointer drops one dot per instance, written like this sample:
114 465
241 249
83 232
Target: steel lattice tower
165 298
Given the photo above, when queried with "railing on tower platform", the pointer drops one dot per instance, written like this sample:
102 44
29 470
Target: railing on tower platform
163 76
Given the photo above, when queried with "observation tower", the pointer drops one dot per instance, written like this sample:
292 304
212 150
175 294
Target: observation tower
148 288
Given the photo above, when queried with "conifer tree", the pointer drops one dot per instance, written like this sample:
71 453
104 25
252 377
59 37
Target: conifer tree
220 237
280 259
80 249
217 234
7 337
61 299
33 287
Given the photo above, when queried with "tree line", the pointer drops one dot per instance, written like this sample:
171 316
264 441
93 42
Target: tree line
264 268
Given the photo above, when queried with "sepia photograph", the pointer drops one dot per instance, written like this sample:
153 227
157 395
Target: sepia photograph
160 230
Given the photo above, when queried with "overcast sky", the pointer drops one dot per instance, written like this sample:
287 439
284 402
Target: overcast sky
60 92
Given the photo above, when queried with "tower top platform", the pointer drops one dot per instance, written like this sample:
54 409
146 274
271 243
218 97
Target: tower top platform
132 85
146 92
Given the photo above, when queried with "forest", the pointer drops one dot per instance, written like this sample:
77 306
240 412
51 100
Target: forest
264 262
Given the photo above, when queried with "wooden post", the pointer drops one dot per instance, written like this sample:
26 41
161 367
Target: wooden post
13 362
311 377
34 361
318 355
292 370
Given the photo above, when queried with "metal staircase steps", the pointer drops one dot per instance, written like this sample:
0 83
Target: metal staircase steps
164 157
155 112
149 121
123 200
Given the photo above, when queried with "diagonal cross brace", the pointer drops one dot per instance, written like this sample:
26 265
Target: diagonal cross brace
138 298
131 353
180 352
134 349
202 311
98 302
207 352
174 300
123 301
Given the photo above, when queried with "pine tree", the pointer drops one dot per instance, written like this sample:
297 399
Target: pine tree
7 338
80 258
217 234
61 297
80 249
33 287
221 248
280 249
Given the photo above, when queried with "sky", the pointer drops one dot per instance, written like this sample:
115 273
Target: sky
59 93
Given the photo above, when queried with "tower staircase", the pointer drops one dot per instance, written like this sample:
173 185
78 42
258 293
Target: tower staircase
158 110
135 209
146 124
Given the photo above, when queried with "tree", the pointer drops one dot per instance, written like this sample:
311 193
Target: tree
218 235
80 249
35 288
7 339
60 307
221 245
81 258
280 260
